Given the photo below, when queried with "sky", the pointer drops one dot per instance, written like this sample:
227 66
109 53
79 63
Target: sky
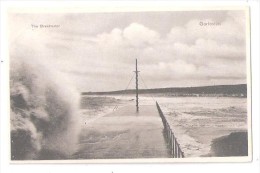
97 51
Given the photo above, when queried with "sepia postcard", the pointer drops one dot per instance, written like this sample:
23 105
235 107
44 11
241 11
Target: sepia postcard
130 85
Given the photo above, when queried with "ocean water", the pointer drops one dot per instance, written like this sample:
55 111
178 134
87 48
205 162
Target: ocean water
46 125
196 121
45 113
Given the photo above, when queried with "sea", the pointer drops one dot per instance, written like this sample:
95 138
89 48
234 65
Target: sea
196 121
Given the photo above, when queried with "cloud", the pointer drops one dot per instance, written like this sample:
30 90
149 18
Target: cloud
230 31
178 68
188 52
114 38
139 35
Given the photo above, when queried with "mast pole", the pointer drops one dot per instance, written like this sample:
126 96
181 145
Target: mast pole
136 86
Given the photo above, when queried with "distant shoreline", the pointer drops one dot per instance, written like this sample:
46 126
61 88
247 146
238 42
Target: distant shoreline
239 90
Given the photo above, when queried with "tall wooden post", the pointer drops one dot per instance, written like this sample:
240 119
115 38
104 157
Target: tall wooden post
136 86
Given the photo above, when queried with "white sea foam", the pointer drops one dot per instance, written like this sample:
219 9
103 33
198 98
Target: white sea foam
197 121
44 111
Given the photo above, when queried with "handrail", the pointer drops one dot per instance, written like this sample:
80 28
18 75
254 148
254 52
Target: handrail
175 148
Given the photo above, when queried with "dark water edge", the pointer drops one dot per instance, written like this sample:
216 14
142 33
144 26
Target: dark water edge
51 155
234 144
22 149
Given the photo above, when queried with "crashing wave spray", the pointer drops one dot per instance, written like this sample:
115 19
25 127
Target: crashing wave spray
44 113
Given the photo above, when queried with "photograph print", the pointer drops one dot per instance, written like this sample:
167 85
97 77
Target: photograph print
152 84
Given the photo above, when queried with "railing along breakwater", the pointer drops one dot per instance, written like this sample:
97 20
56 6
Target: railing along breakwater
176 151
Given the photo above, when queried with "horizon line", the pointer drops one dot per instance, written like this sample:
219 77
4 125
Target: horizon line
162 88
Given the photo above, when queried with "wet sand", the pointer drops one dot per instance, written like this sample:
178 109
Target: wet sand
124 134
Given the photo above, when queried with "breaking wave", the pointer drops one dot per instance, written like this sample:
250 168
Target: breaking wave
44 113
